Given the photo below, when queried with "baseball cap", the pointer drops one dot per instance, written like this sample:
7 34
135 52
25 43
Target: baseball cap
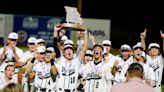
13 35
50 49
31 40
41 49
125 47
106 42
89 52
138 45
70 42
68 46
98 45
40 41
153 45
64 38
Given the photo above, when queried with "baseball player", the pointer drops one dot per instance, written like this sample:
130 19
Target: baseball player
24 61
97 73
110 58
122 60
138 58
68 67
154 60
10 53
8 76
37 58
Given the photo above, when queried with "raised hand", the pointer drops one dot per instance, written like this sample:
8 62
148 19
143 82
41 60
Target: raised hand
162 34
143 34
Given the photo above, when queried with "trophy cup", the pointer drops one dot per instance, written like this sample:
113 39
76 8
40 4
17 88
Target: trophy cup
73 20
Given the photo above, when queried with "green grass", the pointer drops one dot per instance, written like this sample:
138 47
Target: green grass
24 48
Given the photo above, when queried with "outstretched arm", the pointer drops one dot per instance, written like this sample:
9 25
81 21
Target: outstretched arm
143 36
162 36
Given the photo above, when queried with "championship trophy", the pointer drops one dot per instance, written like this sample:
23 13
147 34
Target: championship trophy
73 20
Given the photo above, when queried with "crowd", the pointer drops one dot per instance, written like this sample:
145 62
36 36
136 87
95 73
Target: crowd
64 68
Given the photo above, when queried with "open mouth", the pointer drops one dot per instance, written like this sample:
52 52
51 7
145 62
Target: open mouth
138 54
97 53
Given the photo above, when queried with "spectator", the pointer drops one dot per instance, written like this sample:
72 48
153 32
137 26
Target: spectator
134 81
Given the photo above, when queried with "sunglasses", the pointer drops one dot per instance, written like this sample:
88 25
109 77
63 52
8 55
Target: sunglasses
89 55
125 50
42 53
48 51
154 47
31 43
106 45
13 39
138 48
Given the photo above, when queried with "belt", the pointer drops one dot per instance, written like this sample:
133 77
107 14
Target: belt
43 89
44 77
156 86
67 90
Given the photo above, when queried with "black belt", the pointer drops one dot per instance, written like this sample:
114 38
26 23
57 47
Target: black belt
44 77
156 86
66 90
43 89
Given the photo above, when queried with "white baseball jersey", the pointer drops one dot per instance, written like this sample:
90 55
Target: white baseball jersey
98 77
148 73
120 74
157 65
111 59
3 82
26 55
67 78
43 76
9 56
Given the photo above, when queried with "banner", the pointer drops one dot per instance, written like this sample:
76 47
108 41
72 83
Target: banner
35 26
100 28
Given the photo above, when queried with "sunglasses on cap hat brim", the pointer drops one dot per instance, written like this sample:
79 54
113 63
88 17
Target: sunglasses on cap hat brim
89 55
154 47
13 39
42 53
106 45
125 50
47 51
138 48
68 48
31 43
41 43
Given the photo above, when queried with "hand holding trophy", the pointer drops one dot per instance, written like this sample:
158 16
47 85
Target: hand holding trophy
73 20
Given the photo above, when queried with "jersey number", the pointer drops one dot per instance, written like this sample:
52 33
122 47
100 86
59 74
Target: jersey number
97 84
72 79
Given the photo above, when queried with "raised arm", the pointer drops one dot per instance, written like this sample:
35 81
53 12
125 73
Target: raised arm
56 29
82 53
92 39
143 36
162 36
2 54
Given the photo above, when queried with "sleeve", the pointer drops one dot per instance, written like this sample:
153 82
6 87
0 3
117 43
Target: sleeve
1 84
24 58
57 51
1 50
34 69
19 52
79 48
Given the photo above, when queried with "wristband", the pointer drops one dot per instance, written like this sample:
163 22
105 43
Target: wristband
33 59
52 62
